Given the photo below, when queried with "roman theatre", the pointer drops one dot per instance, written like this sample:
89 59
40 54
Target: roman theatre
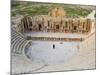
46 42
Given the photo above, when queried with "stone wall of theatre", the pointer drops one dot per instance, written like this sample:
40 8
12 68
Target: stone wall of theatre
45 23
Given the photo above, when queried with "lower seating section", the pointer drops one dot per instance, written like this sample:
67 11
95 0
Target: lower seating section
18 42
20 63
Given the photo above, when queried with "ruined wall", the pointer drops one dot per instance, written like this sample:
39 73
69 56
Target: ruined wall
55 21
55 24
57 12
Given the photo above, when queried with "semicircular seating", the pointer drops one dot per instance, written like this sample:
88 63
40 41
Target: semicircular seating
18 42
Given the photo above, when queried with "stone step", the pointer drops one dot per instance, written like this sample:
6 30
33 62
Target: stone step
15 42
14 39
18 49
14 34
22 47
18 42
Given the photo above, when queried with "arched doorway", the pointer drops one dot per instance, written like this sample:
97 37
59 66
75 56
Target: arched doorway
40 27
75 27
57 28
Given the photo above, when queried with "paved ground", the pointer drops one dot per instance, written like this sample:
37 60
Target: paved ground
44 51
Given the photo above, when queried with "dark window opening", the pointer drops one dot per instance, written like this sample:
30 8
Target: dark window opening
57 26
48 23
30 29
40 26
75 27
66 24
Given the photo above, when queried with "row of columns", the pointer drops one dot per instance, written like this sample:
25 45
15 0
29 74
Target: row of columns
50 24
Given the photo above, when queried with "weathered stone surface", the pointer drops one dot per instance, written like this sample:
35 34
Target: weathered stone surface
57 12
55 21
